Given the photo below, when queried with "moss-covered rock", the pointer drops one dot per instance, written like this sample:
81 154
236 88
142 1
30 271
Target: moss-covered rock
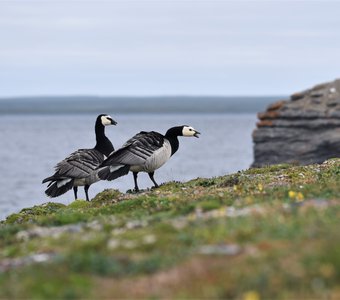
28 214
106 196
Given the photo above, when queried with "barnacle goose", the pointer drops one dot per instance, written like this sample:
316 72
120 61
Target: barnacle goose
78 169
145 152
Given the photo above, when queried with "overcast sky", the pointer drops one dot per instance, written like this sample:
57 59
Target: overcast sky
167 47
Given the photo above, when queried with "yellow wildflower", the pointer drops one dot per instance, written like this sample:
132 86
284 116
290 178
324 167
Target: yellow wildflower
300 197
292 194
260 187
249 200
251 295
297 196
327 270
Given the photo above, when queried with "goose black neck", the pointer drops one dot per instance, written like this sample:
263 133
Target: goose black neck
103 143
172 136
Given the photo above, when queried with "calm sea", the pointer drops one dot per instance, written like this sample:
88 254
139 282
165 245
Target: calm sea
32 144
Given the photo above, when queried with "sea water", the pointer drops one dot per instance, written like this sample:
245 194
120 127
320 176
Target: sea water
31 145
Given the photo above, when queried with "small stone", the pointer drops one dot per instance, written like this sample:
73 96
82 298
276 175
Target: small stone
54 232
136 224
23 236
317 284
95 225
113 244
42 257
8 264
179 223
199 212
231 249
149 239
129 244
118 231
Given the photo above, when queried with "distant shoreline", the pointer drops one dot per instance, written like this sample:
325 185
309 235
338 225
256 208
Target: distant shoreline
130 105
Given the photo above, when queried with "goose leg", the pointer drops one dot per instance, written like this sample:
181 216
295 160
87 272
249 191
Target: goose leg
86 188
135 179
75 190
153 180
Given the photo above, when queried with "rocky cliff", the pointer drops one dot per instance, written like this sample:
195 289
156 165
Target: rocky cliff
304 129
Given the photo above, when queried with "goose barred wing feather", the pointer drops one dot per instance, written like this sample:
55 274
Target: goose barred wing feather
137 149
77 165
152 138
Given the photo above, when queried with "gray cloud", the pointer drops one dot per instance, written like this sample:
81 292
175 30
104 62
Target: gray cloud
166 47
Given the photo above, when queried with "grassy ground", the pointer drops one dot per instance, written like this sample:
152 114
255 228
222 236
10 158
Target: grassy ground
269 233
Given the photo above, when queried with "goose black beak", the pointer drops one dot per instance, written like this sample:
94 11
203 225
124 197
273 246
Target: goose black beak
113 122
196 134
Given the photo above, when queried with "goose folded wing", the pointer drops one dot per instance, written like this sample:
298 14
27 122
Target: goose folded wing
136 150
79 164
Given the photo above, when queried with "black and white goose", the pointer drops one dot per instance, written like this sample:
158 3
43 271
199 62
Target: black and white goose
78 169
145 152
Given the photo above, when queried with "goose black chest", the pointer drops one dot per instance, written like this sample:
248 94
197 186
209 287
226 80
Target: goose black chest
79 168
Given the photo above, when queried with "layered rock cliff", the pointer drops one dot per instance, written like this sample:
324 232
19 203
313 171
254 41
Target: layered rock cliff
304 129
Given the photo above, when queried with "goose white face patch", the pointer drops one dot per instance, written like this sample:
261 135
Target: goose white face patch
106 120
188 131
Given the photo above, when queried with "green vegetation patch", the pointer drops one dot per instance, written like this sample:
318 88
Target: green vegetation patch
261 233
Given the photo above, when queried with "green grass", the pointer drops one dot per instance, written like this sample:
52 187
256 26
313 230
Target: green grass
283 219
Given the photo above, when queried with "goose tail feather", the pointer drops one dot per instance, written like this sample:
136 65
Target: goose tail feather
59 187
51 178
113 172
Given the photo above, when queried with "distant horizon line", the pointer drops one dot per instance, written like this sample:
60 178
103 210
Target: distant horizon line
140 96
